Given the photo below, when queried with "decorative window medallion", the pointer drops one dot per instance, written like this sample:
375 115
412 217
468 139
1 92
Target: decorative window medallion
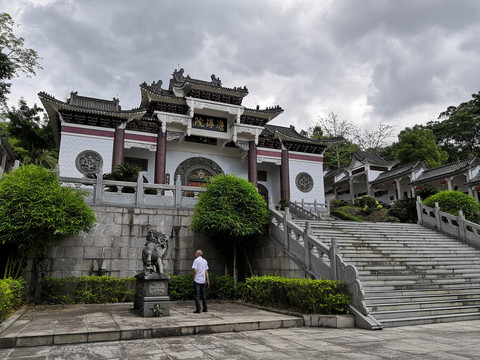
304 182
89 161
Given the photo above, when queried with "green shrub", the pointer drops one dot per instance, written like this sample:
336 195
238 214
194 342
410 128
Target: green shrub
405 210
180 287
88 290
11 291
366 201
366 210
36 211
453 201
426 192
391 219
301 295
344 215
334 203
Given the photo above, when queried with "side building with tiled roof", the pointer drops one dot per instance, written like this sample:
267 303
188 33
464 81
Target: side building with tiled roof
364 176
194 129
353 180
462 175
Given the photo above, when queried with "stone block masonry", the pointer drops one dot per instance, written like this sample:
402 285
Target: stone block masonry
114 247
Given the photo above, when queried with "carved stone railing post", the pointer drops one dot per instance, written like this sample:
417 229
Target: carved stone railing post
334 251
308 253
99 188
140 192
419 211
286 218
178 192
436 212
349 274
461 225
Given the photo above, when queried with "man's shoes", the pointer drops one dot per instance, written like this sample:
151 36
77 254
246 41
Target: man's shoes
204 310
196 312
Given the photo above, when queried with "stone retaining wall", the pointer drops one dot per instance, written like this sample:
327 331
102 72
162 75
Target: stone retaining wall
116 242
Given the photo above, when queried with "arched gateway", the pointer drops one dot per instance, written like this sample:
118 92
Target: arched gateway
197 170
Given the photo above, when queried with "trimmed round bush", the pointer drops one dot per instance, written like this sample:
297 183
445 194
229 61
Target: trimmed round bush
453 201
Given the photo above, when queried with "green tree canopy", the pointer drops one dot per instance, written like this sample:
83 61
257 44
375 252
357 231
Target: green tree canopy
340 154
30 135
14 58
35 211
230 212
458 131
418 143
452 201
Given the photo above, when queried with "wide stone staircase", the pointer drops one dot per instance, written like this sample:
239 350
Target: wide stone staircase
410 274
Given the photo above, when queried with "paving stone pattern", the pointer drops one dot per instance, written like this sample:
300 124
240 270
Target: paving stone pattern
456 340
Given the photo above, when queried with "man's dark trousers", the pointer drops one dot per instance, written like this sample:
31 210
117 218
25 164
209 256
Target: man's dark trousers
200 290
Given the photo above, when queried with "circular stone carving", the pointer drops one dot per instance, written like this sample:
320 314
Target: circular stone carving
89 161
304 182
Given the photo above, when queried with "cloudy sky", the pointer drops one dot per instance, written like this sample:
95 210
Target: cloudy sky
398 62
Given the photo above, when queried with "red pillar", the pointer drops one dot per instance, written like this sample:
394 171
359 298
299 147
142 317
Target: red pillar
285 176
252 163
118 147
161 157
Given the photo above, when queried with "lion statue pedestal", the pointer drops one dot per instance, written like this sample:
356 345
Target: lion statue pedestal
151 296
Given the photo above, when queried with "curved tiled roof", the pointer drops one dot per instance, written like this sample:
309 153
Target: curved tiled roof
178 79
87 104
474 181
398 172
446 170
290 134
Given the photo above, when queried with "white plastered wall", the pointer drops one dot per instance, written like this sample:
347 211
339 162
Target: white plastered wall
315 170
72 145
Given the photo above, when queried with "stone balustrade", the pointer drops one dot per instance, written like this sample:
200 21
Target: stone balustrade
456 226
140 194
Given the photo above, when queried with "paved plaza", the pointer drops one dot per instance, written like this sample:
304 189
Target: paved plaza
280 338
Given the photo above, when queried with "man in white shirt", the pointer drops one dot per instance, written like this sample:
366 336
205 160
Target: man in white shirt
200 278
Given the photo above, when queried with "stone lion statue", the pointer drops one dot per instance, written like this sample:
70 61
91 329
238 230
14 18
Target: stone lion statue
154 252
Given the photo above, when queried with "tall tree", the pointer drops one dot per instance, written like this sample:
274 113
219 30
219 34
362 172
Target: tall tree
231 213
376 139
15 59
458 129
35 211
30 134
331 127
418 143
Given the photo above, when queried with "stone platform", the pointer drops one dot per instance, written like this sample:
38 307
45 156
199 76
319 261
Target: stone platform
76 324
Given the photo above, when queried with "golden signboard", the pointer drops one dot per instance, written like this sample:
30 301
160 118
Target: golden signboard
211 123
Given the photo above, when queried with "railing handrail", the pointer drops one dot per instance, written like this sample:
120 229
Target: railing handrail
452 225
282 229
100 196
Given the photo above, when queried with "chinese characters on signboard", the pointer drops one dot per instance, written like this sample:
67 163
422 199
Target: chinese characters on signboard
209 123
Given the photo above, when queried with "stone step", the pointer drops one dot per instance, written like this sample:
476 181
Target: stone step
406 250
424 271
399 293
404 259
409 262
423 286
371 269
387 323
394 298
433 311
397 281
415 305
410 274
413 277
